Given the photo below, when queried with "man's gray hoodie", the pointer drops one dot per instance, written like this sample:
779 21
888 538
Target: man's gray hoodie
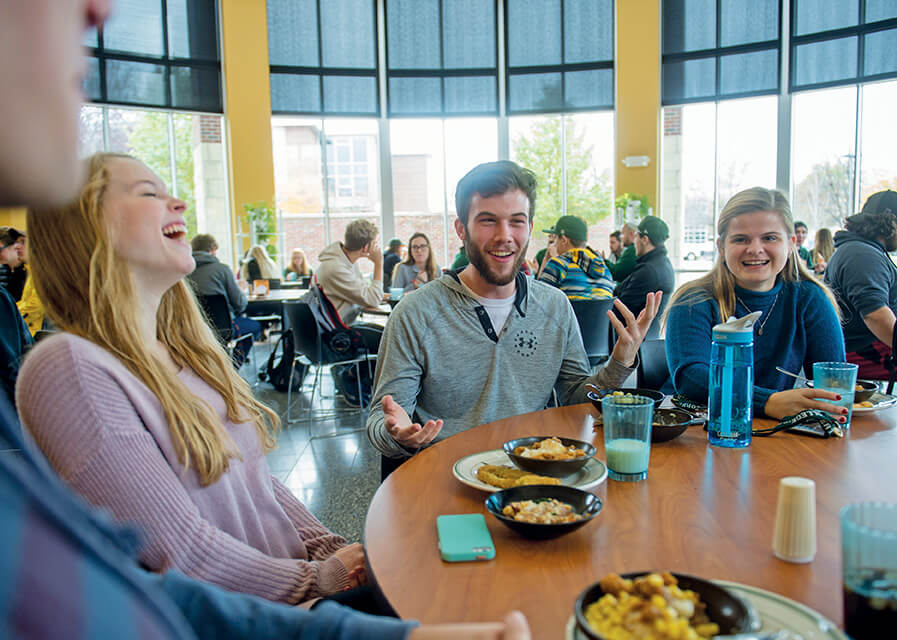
440 358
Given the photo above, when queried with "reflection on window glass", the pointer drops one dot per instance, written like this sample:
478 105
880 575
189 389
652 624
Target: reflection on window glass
878 165
575 178
313 218
419 181
468 142
687 186
90 138
822 165
746 145
143 134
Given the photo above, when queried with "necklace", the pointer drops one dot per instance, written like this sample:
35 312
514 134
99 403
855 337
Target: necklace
768 313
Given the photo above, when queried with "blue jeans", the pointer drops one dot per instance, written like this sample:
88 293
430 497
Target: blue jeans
242 326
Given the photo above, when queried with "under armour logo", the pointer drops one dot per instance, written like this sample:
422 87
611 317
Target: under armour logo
525 343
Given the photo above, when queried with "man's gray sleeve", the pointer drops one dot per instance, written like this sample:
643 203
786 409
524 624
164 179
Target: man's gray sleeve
866 287
399 374
575 370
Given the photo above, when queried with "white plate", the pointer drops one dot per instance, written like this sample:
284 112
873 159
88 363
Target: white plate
465 470
879 400
777 612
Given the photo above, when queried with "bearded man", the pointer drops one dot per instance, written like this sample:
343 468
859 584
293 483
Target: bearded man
486 342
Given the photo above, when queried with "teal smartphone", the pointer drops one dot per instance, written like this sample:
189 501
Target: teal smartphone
464 537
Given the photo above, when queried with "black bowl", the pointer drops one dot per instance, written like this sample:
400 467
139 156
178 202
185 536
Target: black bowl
598 394
671 423
588 505
724 608
869 388
553 468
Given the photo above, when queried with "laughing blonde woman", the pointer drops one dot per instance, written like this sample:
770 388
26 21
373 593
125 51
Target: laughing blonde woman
138 408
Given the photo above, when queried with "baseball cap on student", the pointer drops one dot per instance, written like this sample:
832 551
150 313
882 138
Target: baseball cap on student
9 235
881 202
572 227
655 229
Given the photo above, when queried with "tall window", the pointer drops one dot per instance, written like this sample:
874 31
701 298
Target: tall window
157 53
429 156
326 174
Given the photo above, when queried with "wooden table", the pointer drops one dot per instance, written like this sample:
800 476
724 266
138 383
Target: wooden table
703 510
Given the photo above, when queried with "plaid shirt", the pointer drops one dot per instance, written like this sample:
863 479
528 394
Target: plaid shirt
580 274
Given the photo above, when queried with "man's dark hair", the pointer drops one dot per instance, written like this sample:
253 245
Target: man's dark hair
615 234
798 223
204 242
492 179
872 225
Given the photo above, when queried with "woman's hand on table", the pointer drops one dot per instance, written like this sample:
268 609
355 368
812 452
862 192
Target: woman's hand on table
352 557
630 337
792 401
513 627
407 433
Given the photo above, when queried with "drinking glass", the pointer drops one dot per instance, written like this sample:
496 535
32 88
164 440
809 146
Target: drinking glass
395 293
869 563
839 377
627 436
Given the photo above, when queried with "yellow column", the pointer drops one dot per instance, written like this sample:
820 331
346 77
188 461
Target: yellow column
12 217
638 97
247 104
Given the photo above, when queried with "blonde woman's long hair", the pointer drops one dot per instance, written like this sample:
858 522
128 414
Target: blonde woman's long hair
719 283
823 245
90 292
265 263
431 269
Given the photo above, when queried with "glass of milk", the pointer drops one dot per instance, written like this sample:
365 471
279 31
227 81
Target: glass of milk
627 436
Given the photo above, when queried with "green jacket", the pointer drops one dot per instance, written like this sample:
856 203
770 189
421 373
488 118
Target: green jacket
625 265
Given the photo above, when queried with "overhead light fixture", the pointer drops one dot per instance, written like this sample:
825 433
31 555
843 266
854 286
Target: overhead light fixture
636 161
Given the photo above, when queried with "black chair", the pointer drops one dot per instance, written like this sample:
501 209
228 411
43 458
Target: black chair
653 371
309 350
595 327
218 314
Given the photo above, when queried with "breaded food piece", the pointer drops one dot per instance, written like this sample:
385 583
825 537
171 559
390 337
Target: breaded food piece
507 477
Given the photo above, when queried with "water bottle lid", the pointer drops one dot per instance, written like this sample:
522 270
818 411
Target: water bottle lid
737 330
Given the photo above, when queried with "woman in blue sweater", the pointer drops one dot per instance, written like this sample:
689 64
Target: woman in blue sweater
757 270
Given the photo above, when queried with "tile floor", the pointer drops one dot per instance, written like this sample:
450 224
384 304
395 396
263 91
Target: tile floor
335 477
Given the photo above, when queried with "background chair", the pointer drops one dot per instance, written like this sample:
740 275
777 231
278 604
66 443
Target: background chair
308 345
595 327
219 316
652 371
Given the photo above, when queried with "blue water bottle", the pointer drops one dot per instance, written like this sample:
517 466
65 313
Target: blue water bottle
731 382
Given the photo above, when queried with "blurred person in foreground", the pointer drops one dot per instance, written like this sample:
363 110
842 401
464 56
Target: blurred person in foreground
486 342
58 554
864 279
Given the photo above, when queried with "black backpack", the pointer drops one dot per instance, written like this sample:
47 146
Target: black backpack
279 364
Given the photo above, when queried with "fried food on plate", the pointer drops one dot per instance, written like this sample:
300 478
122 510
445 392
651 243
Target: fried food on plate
507 477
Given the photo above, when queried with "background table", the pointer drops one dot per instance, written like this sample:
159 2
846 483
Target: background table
703 510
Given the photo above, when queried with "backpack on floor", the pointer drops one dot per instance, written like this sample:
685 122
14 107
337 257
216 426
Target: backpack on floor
281 360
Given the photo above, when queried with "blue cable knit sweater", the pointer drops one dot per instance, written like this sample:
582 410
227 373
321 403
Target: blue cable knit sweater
803 328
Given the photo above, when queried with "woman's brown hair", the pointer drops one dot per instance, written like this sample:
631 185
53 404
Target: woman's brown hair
89 291
432 270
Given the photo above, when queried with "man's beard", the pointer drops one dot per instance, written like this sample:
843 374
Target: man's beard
479 261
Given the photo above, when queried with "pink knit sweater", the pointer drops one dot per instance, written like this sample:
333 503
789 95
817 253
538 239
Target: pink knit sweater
106 434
